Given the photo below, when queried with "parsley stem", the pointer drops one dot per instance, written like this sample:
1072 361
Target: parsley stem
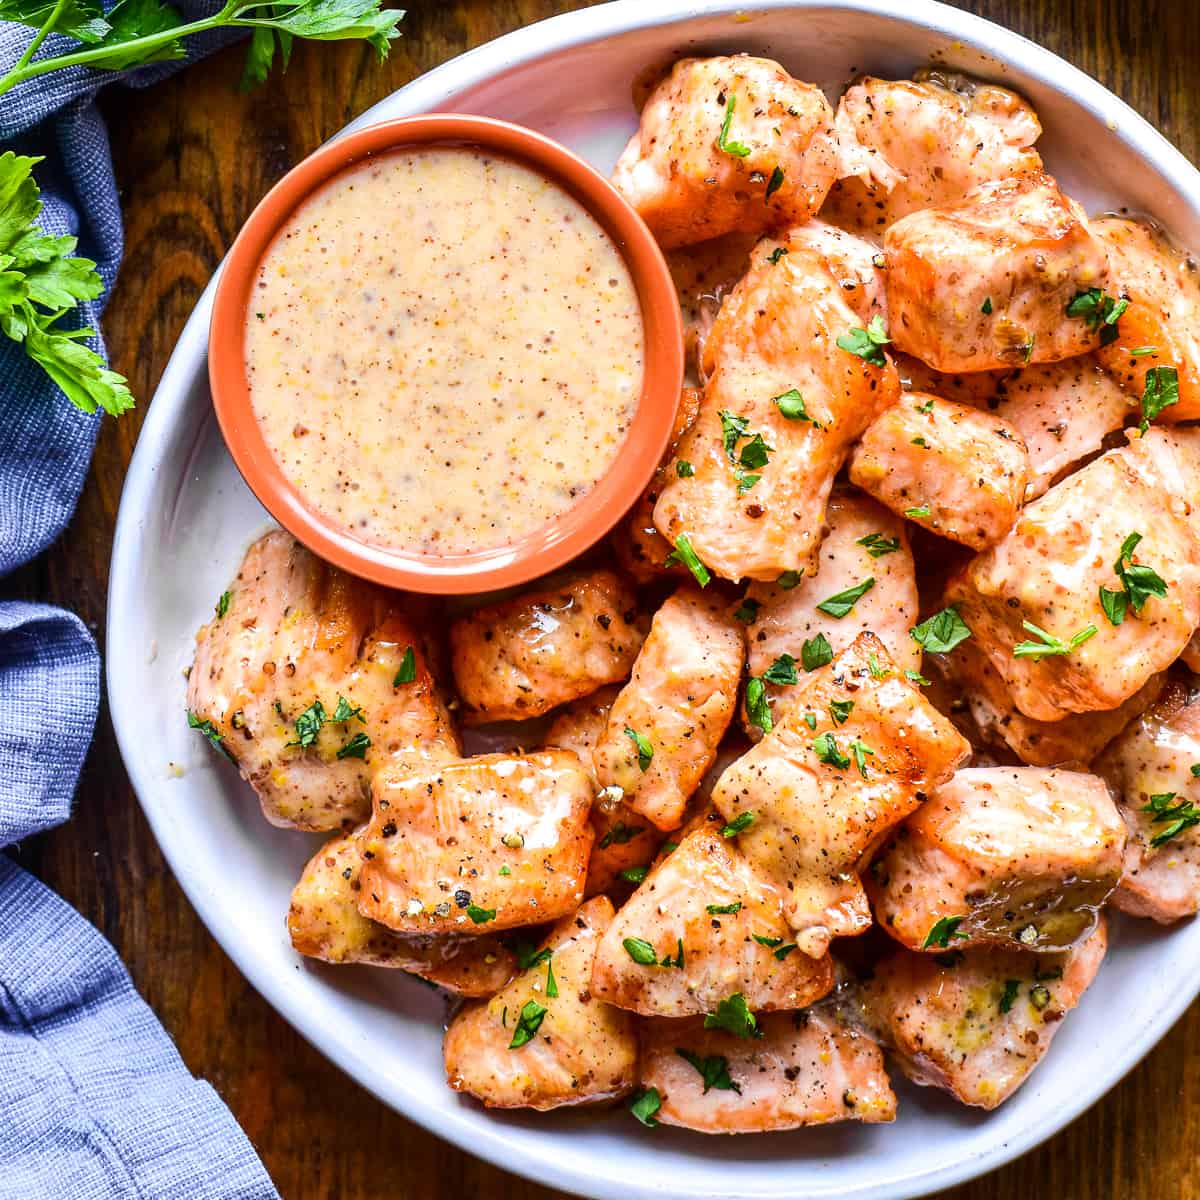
41 35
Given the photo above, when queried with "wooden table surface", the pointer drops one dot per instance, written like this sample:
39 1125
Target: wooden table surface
193 156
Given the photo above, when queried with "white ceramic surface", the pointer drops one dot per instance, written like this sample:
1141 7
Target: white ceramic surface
186 519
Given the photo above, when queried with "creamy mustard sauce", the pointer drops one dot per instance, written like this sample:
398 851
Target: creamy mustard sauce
444 350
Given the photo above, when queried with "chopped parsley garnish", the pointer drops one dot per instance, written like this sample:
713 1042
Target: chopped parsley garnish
791 405
645 1106
737 149
861 751
223 604
1100 311
782 671
1177 817
723 910
986 306
1160 391
1142 351
917 678
619 834
505 870
769 942
920 441
551 982
713 1070
944 928
408 668
640 951
1047 645
528 955
753 456
840 710
1195 769
645 751
816 652
356 747
739 824
825 747
1138 581
683 553
875 668
918 512
773 185
215 737
841 603
1011 986
677 961
758 707
633 874
747 610
684 469
877 545
783 951
480 916
942 632
776 254
308 724
789 579
345 711
532 1015
734 1016
810 719
867 343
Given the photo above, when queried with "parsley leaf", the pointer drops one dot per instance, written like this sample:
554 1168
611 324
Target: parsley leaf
986 306
758 707
840 710
825 747
645 1106
223 604
791 405
722 910
747 610
861 751
1160 391
215 737
918 512
1139 581
944 928
816 652
841 603
532 1015
713 1070
480 916
867 343
528 955
619 834
309 724
1010 994
1047 644
737 149
683 553
684 469
407 672
645 750
782 671
640 951
633 874
942 632
344 711
739 824
734 1016
773 185
356 747
1177 817
789 579
776 254
1100 311
877 545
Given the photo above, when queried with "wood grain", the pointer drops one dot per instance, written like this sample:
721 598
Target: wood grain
193 156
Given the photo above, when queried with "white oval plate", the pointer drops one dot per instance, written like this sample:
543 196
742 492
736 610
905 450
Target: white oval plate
186 518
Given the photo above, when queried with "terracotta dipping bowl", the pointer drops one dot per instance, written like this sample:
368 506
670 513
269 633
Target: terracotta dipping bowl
574 529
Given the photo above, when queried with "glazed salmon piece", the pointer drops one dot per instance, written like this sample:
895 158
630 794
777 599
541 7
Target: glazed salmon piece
863 542
623 839
804 1068
1015 856
782 406
324 923
856 263
1075 739
858 750
642 551
526 655
533 1045
300 645
955 470
666 723
1049 571
908 144
477 845
975 1023
985 283
718 927
729 144
1160 329
1149 768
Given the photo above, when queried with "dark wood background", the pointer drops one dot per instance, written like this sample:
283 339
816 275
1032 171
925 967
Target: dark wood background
193 155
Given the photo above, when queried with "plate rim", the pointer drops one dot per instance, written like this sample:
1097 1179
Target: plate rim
188 360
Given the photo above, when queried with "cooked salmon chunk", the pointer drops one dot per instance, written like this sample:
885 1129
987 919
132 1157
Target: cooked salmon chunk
955 470
309 679
524 656
782 406
800 1068
545 1041
986 282
478 845
728 144
908 144
1159 332
624 840
856 752
1033 600
701 927
1076 738
975 1023
1153 768
1017 856
324 923
855 263
666 723
864 544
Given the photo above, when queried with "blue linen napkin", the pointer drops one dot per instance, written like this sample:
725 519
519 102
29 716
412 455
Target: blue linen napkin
95 1102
